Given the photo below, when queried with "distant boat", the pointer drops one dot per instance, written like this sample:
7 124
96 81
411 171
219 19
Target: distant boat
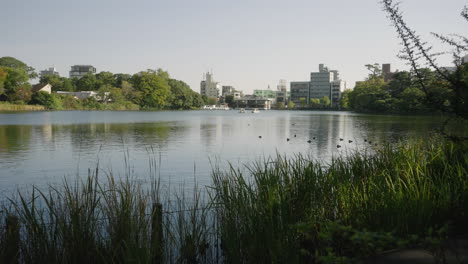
255 110
242 110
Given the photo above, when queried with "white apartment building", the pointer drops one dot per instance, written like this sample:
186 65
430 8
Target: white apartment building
209 87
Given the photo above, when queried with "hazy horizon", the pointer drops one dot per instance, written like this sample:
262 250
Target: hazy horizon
246 44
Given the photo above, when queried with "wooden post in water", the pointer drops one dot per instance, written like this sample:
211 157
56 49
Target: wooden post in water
12 240
157 233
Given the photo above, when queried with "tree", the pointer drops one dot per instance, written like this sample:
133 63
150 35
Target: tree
315 102
417 52
400 81
302 101
344 101
87 83
120 78
369 96
14 79
181 95
211 101
105 78
280 105
51 101
325 101
290 105
54 80
197 100
14 63
229 99
3 76
375 71
154 89
22 94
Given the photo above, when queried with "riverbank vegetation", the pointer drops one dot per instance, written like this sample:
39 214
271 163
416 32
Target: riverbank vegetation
5 106
283 209
147 90
427 87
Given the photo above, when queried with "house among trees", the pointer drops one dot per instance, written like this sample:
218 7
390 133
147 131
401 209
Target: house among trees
42 88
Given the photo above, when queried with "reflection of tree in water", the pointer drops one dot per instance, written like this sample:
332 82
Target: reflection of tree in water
14 139
92 137
395 128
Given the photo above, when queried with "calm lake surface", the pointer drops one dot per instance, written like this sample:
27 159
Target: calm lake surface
44 147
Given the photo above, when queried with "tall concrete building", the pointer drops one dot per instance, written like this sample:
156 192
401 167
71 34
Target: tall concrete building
79 71
326 82
320 82
323 83
208 86
49 71
300 92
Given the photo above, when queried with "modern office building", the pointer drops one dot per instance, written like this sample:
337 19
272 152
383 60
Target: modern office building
79 71
300 92
323 83
326 82
50 71
208 86
320 82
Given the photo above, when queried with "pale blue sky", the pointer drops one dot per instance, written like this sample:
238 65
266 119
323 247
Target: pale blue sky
247 44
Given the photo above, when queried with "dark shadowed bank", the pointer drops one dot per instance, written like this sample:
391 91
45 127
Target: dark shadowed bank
283 210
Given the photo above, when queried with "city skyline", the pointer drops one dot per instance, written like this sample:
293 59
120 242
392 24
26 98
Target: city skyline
248 45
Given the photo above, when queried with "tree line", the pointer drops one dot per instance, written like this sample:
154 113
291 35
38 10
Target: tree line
403 93
150 89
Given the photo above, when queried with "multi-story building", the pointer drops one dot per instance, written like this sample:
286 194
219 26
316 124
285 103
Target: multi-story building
227 90
50 71
79 71
320 82
267 94
282 93
208 86
387 72
300 92
323 83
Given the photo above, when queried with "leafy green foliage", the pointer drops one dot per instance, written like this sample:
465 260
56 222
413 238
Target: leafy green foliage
325 101
402 94
182 97
154 89
14 63
51 101
87 83
151 89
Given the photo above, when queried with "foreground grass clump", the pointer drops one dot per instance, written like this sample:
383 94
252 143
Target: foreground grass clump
296 210
278 210
103 221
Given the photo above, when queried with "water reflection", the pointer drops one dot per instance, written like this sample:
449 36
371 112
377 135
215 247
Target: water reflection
45 146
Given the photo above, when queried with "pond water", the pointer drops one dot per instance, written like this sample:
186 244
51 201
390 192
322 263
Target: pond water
44 147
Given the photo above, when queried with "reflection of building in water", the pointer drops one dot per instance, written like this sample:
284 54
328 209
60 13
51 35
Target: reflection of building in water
327 131
47 133
208 133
